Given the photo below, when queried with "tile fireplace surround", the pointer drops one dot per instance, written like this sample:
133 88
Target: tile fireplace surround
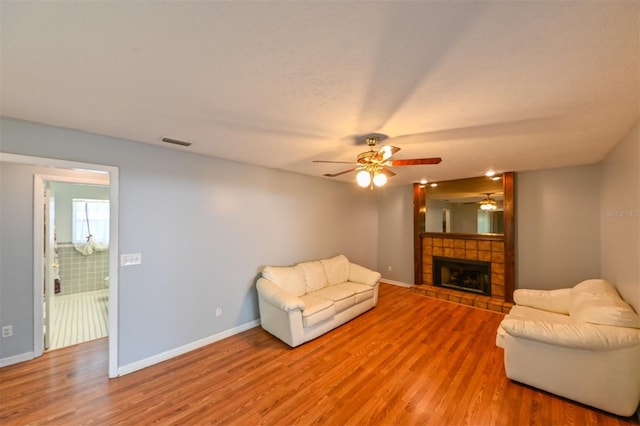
487 249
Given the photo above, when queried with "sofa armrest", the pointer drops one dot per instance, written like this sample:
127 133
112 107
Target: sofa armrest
275 296
579 335
548 300
360 274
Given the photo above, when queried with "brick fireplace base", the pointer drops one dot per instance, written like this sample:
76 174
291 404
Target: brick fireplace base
475 300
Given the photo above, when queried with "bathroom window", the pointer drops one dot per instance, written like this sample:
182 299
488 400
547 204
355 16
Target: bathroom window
90 217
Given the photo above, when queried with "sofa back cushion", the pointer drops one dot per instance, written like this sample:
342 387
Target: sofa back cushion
288 278
336 269
314 275
598 302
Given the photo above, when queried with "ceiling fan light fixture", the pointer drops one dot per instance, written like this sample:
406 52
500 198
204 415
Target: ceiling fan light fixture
363 178
488 207
488 204
379 179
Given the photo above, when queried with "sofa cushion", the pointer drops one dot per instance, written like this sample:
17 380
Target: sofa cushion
288 278
606 310
593 286
316 310
577 335
548 300
341 297
598 302
336 269
360 274
314 275
362 291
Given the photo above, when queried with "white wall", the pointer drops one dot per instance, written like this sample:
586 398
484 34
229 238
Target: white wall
620 217
205 228
395 233
557 227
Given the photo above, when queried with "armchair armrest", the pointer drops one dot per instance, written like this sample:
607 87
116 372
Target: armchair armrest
360 274
547 300
277 297
579 335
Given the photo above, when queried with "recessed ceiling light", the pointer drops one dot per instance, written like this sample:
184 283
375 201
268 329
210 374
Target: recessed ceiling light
424 181
490 173
433 185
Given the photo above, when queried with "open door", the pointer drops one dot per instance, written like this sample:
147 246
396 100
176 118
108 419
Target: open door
49 264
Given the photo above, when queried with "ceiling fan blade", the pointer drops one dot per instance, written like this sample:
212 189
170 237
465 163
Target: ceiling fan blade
335 162
387 172
416 161
341 173
386 151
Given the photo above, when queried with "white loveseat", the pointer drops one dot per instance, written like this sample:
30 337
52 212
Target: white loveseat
299 303
581 343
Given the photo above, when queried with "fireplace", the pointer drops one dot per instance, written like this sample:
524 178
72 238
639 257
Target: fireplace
460 274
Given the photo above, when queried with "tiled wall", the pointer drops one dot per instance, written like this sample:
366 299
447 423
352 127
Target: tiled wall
80 273
469 249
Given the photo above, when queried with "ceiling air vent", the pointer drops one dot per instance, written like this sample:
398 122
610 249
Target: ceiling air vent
176 141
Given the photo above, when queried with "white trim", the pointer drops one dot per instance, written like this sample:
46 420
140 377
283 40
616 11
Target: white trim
398 283
111 178
147 362
27 356
38 278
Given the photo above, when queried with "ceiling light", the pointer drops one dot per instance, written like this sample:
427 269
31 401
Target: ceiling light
488 204
363 178
433 185
379 179
423 182
490 173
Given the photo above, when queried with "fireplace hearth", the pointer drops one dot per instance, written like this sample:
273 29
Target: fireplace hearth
464 275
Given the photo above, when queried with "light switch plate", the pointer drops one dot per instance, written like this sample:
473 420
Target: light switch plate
130 259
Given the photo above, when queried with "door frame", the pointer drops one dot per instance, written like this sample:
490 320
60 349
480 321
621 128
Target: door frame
38 239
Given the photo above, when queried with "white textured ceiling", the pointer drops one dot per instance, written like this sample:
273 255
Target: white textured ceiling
504 85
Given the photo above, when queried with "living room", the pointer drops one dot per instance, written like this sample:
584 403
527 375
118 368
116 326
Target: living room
206 226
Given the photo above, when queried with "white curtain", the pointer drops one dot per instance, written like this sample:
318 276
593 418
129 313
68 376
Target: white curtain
90 225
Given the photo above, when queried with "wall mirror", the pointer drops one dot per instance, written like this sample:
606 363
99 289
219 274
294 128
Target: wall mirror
465 206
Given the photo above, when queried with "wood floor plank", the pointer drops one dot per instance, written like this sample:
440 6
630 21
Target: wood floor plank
412 360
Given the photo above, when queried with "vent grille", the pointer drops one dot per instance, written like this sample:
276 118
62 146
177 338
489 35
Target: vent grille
175 141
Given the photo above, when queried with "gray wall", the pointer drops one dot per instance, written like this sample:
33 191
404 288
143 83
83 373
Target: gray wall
464 218
395 233
558 227
620 217
205 228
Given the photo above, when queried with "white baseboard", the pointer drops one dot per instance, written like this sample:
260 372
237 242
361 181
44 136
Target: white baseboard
16 359
147 362
398 283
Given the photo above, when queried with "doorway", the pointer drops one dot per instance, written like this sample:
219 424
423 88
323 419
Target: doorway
76 262
48 169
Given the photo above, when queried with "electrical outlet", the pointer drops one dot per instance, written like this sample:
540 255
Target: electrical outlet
7 331
390 268
218 312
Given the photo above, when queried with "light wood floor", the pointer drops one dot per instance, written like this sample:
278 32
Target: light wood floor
412 360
